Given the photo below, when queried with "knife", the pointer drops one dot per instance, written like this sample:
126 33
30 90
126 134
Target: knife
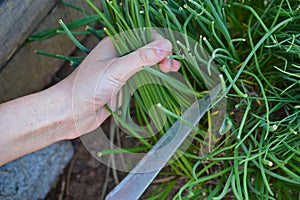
141 176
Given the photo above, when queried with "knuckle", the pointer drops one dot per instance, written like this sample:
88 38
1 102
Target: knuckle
118 81
143 56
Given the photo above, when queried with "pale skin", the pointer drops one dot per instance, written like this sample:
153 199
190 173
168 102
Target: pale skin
38 120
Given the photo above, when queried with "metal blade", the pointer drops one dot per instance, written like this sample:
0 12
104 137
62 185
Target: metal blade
137 181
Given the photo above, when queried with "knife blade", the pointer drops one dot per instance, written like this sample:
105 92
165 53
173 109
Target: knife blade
141 176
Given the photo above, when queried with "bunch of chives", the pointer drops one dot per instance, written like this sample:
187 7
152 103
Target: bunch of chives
256 46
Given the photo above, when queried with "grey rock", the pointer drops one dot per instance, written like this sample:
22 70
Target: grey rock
32 176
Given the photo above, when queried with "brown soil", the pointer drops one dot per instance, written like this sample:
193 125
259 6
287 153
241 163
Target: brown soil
85 178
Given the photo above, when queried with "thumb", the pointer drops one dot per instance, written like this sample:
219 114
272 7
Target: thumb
148 55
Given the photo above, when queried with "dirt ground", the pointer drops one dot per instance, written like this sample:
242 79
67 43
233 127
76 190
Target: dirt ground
85 177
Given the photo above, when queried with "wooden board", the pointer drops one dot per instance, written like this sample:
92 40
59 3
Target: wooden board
18 19
27 72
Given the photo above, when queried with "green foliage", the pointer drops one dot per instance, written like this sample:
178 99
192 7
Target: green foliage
256 46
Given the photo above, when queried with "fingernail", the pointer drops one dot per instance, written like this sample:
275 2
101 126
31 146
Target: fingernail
169 62
163 46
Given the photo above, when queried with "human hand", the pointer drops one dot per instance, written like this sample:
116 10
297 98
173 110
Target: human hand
102 74
74 106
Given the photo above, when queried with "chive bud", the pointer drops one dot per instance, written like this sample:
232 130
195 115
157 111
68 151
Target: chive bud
267 162
71 36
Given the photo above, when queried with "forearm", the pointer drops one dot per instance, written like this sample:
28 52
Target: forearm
33 122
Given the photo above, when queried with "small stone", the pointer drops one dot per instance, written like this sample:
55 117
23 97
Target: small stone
32 176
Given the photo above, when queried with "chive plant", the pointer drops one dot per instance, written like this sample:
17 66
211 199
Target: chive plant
256 47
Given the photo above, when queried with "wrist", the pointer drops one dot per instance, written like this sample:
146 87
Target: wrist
34 122
59 100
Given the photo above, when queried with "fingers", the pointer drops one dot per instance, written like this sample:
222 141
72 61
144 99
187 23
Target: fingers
166 65
149 55
169 65
106 50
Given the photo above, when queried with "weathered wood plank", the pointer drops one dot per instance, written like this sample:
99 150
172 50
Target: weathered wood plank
27 72
18 19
